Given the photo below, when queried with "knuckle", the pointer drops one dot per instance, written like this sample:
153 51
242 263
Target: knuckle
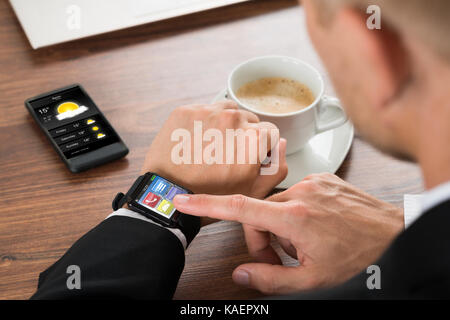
238 203
297 213
325 176
181 111
328 175
306 186
257 119
231 114
229 104
295 208
309 185
203 113
200 199
312 177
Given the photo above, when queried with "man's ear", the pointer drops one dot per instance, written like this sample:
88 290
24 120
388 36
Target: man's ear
380 54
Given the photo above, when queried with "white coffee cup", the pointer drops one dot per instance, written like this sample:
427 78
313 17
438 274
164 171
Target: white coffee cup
298 127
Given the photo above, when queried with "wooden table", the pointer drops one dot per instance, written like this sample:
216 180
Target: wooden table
137 76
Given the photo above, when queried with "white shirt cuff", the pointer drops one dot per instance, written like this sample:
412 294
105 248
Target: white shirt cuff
131 214
412 208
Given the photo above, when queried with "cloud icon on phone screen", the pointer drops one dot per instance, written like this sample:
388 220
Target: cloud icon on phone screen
69 109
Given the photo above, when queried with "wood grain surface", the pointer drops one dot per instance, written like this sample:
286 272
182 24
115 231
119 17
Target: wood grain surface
137 76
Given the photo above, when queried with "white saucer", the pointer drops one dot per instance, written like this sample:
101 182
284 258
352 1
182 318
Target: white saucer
323 153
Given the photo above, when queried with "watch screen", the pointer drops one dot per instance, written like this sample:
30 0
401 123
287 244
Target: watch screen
74 122
158 194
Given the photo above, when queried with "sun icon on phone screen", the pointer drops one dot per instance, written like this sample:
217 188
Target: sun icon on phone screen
69 109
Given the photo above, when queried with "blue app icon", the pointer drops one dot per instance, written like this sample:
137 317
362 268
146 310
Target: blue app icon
160 186
173 192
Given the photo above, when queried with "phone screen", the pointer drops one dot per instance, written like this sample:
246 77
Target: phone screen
74 122
157 195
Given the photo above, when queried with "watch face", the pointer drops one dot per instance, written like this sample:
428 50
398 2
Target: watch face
157 195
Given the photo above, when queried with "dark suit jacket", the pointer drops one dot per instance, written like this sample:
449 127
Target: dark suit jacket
129 258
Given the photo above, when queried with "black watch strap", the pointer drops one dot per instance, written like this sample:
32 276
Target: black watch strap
189 225
120 199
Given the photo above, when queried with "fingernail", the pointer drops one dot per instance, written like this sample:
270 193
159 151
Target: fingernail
241 277
181 198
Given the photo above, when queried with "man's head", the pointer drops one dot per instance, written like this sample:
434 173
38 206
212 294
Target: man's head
393 82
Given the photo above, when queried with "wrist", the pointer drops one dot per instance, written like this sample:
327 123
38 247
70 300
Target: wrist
151 195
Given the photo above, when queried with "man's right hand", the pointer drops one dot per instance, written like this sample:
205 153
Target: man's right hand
334 230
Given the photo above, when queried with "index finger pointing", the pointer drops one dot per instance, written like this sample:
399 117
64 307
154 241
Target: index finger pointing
267 215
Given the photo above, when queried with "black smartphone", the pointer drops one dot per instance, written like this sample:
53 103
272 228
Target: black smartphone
76 128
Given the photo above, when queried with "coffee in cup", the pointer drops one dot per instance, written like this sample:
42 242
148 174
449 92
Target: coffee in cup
275 95
308 118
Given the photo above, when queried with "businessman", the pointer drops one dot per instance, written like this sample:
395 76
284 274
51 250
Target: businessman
393 83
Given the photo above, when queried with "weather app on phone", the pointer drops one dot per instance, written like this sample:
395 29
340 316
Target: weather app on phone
73 122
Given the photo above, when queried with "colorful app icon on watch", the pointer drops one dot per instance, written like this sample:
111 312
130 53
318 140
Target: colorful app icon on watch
160 186
165 207
173 192
151 200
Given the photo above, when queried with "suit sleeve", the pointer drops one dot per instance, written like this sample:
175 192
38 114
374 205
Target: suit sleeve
120 258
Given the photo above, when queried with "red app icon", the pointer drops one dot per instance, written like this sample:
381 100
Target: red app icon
151 200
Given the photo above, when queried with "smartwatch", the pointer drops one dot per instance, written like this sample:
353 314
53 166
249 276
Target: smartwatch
151 196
